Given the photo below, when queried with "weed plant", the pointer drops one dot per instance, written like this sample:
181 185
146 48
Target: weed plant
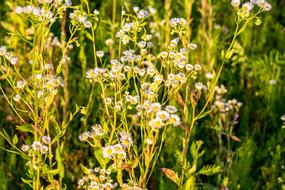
130 95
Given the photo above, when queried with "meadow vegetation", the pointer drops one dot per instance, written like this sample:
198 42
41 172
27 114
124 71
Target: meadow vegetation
135 95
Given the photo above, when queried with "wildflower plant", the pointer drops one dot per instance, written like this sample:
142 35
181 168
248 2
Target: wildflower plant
143 84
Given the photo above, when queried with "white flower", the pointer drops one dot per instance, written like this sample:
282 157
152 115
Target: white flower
44 149
142 14
175 22
247 7
2 50
272 82
14 60
17 98
209 75
141 44
154 107
108 151
163 54
81 182
136 9
84 136
199 86
109 42
192 46
189 67
46 139
235 3
170 109
162 115
36 145
149 141
125 139
97 130
197 67
156 123
68 3
100 54
25 148
21 84
283 118
96 12
91 74
264 5
174 120
119 151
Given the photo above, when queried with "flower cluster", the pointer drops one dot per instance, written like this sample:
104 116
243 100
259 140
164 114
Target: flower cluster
97 178
226 108
37 13
248 6
141 13
37 146
8 56
95 132
178 22
115 151
131 185
79 17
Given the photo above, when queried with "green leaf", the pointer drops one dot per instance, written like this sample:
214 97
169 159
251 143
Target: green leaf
258 22
60 165
229 54
89 36
99 156
210 170
59 69
223 54
15 139
27 181
58 136
25 128
190 184
84 169
200 116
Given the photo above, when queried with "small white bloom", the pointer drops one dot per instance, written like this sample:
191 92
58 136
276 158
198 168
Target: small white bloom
199 86
171 109
136 9
235 3
189 67
96 12
197 67
46 139
25 148
149 141
108 151
192 46
246 7
36 145
272 82
174 120
209 75
21 84
100 54
142 14
17 98
156 123
14 60
162 115
44 149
